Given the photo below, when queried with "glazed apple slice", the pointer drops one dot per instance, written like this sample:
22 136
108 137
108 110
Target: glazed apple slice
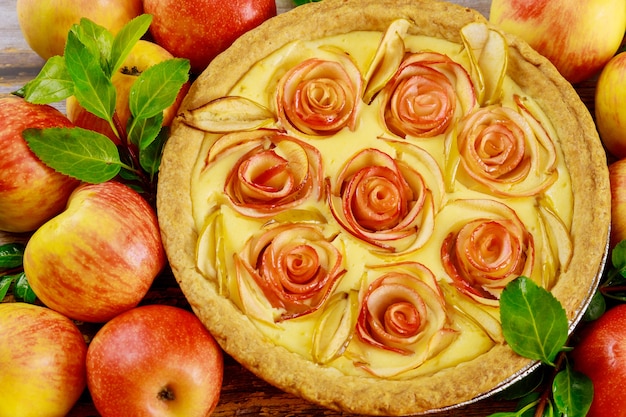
488 52
387 59
229 114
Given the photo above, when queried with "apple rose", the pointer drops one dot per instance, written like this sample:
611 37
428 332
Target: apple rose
507 151
484 254
383 201
428 93
287 271
274 171
319 96
404 317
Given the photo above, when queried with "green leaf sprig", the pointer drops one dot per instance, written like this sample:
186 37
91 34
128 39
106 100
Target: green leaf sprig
613 284
12 275
535 326
301 2
92 55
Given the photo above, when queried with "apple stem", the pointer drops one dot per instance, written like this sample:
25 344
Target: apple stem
119 129
545 396
133 156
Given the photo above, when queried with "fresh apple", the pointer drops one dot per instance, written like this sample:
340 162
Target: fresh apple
617 181
154 360
97 258
609 105
200 29
578 37
143 55
45 23
30 191
42 362
601 355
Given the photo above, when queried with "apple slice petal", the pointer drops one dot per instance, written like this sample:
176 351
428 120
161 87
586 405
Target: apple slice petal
488 52
475 312
229 114
334 329
387 59
254 302
211 260
560 241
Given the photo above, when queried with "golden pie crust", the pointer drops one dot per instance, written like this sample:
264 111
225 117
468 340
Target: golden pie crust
327 386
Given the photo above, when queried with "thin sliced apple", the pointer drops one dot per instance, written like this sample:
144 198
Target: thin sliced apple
334 329
229 114
488 52
211 260
387 59
475 312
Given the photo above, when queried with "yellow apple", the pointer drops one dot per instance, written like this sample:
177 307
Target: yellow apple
617 178
42 361
578 37
143 55
45 23
610 106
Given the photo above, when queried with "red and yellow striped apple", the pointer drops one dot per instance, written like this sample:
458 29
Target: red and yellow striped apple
143 55
97 258
617 179
45 23
42 362
610 109
30 192
601 355
154 360
578 37
200 29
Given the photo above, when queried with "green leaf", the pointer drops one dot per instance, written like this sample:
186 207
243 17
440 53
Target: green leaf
23 290
525 407
92 87
596 308
157 87
618 257
129 175
301 2
52 84
150 157
572 392
534 323
126 39
526 385
5 284
80 153
96 39
142 132
11 255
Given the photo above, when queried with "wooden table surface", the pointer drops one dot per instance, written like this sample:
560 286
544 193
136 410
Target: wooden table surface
243 394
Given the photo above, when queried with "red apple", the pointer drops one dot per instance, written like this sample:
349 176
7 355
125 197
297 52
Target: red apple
30 191
154 360
97 258
143 55
601 355
42 361
578 37
200 29
617 180
609 105
45 23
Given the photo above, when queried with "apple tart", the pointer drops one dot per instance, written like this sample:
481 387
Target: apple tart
349 188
